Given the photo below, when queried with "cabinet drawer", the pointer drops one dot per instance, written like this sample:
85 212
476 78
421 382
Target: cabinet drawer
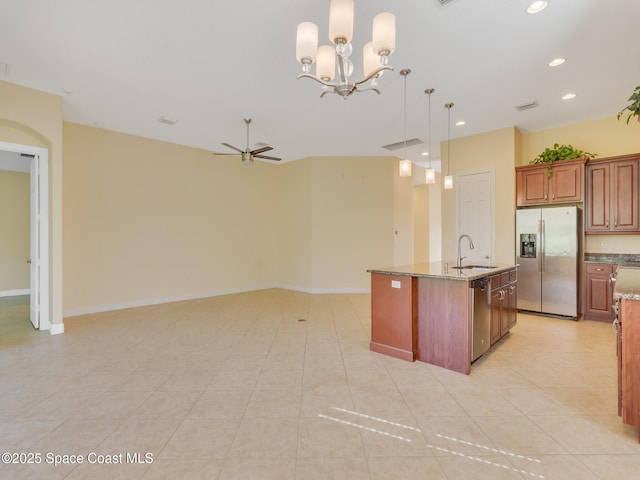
600 268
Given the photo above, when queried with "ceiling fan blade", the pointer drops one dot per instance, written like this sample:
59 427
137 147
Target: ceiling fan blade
266 148
267 157
227 154
232 147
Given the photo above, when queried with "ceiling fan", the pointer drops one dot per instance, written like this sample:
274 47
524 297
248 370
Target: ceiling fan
247 154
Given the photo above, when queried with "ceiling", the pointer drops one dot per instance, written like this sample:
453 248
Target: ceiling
123 64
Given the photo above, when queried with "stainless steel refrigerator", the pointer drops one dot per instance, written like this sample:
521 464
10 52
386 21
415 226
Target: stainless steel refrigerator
547 247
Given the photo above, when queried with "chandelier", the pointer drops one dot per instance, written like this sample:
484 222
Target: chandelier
375 53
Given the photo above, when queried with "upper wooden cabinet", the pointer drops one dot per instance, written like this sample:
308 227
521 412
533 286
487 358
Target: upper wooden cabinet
612 202
565 185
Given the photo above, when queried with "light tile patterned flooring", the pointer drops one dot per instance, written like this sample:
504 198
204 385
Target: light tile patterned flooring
237 387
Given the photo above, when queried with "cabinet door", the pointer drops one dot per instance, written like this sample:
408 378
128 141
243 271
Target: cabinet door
624 202
512 308
565 184
599 295
597 198
532 187
496 315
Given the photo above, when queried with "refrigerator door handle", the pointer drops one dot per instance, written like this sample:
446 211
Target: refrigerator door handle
543 258
539 246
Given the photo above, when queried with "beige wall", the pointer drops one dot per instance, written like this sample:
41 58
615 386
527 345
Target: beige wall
497 150
14 234
605 137
148 221
352 220
34 118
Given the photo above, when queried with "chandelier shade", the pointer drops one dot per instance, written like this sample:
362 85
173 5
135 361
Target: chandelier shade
326 66
307 42
341 21
384 34
375 53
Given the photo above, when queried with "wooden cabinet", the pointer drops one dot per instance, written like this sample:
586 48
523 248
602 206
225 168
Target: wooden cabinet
503 304
629 361
565 185
612 204
598 294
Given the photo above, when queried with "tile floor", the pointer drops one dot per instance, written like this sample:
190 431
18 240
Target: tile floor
238 387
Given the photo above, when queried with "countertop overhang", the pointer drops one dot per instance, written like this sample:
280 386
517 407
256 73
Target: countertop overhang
627 283
444 270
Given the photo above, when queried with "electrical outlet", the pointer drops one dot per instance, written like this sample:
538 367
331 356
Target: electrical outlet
395 284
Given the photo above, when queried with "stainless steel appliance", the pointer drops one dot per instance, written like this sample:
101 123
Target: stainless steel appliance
481 317
547 247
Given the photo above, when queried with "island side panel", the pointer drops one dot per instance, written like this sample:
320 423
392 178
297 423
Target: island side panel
444 323
393 316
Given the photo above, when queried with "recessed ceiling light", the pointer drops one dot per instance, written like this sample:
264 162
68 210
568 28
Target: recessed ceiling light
460 123
537 7
569 96
425 154
557 61
68 91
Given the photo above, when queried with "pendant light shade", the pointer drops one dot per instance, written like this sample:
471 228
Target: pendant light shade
405 164
448 179
430 173
405 168
430 176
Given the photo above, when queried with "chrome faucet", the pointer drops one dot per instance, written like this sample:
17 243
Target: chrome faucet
459 251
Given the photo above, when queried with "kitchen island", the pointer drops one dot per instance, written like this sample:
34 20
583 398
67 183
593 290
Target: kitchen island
425 311
627 326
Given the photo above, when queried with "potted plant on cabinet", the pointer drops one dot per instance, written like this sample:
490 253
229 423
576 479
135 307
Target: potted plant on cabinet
633 107
559 153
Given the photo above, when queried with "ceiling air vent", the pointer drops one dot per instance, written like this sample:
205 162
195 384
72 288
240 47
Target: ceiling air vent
167 120
527 106
398 145
442 3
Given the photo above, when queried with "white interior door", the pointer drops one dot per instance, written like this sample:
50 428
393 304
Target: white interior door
39 220
476 215
35 242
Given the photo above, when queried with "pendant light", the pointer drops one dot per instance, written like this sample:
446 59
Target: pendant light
430 173
448 179
405 164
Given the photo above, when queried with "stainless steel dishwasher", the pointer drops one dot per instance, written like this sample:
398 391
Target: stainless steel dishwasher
480 317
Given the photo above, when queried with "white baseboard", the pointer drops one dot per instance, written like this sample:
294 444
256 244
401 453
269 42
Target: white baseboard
56 328
74 312
15 293
319 291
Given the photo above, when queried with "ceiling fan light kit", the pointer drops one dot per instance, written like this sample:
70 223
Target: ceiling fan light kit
375 53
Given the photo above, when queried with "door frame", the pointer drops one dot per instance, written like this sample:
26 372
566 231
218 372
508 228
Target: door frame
39 209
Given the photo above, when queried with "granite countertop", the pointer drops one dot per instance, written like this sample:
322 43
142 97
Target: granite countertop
621 259
627 283
444 270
